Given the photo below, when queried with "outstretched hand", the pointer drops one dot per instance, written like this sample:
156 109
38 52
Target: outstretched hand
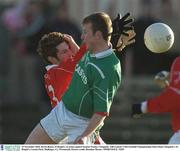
123 32
136 110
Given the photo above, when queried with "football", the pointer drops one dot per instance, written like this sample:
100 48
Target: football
158 37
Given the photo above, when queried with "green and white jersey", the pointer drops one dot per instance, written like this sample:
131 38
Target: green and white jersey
94 84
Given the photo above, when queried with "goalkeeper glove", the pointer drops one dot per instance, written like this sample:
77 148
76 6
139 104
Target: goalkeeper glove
121 27
136 110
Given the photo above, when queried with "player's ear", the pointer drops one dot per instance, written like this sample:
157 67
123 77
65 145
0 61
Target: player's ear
98 35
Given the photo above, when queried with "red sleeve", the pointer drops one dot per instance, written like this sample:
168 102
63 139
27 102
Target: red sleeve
102 113
80 53
71 63
167 101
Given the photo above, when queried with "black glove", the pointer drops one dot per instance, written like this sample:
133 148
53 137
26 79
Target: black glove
120 27
136 110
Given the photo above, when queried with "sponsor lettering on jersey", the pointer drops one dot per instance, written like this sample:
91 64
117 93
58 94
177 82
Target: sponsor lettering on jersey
81 73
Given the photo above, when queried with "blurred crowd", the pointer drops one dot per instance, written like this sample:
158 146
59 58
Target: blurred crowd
22 26
24 22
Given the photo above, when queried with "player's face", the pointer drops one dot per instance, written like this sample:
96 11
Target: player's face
88 36
64 53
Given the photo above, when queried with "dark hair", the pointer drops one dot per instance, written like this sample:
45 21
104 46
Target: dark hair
48 43
100 22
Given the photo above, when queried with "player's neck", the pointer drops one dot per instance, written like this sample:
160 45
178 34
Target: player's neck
101 47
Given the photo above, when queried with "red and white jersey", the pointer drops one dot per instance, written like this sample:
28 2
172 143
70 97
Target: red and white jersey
58 77
169 100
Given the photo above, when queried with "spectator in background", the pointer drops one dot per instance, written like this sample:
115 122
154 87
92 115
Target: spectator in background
13 17
26 23
62 23
13 21
36 25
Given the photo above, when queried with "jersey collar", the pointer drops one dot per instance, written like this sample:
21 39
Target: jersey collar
48 67
102 54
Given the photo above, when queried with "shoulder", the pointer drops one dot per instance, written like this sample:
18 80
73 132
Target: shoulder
176 63
95 68
177 60
105 68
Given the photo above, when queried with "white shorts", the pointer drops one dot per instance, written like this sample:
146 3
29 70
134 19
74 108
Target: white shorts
175 139
61 123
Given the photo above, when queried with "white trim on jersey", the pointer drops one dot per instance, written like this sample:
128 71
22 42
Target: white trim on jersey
48 67
144 107
64 70
102 54
175 90
98 69
100 90
83 100
100 96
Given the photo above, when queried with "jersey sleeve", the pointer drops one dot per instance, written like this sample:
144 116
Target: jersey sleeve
71 63
167 101
80 53
104 89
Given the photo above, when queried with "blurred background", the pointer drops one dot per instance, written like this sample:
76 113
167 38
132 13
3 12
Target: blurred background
23 100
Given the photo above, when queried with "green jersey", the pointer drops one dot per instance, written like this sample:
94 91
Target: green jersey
94 84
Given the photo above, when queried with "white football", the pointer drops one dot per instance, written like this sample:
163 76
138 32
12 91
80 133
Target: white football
158 37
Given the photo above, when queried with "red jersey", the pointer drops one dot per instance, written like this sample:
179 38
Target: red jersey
58 77
169 100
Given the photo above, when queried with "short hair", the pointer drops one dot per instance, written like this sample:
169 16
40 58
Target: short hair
47 45
100 22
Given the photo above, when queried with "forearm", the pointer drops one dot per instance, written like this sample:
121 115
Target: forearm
80 53
167 101
95 121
